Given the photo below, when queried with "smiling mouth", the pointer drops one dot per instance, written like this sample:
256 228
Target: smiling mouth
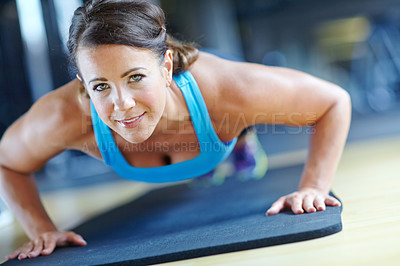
131 122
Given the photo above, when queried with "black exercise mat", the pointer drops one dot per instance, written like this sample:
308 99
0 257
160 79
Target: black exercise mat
177 222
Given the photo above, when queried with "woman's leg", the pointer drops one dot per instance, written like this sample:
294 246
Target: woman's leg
249 157
248 161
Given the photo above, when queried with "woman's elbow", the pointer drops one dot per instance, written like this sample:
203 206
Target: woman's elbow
344 99
342 103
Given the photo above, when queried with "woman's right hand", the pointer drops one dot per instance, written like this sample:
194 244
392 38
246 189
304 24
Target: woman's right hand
45 244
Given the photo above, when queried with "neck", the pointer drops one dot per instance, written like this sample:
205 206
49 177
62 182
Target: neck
176 116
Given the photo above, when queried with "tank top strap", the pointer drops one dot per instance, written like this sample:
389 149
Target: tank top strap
104 137
198 110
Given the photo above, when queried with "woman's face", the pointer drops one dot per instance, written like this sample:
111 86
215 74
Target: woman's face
127 86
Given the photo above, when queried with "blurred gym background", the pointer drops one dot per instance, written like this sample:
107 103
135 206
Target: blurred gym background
353 43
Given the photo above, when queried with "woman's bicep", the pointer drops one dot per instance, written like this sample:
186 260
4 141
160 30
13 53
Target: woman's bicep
31 140
272 95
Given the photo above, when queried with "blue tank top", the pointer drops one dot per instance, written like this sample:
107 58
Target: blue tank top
212 149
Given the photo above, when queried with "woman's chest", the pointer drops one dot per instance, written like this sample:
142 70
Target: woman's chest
160 152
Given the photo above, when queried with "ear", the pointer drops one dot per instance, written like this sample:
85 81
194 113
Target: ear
168 66
78 77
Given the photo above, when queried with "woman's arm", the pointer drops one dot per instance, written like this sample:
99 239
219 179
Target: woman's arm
326 146
21 194
256 94
26 145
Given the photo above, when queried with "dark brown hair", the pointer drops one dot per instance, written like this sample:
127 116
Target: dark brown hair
136 23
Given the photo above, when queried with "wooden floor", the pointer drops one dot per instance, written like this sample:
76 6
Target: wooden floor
367 181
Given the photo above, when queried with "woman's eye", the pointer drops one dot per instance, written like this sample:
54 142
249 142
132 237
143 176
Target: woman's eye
100 87
136 77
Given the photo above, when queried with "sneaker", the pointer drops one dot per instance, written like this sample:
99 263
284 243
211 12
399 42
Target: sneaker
250 160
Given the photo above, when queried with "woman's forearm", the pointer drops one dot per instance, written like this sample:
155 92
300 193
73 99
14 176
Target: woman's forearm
21 194
326 145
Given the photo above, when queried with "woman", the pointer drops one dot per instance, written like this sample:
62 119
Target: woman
145 115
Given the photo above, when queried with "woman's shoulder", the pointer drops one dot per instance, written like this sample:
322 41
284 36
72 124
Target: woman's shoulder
60 115
209 71
206 66
217 85
54 123
217 78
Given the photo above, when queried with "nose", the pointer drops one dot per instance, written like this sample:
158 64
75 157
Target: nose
123 100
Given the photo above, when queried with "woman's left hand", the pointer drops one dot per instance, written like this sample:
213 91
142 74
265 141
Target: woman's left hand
304 200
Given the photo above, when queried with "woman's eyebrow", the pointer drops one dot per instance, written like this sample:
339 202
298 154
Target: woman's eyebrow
123 75
131 70
98 79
